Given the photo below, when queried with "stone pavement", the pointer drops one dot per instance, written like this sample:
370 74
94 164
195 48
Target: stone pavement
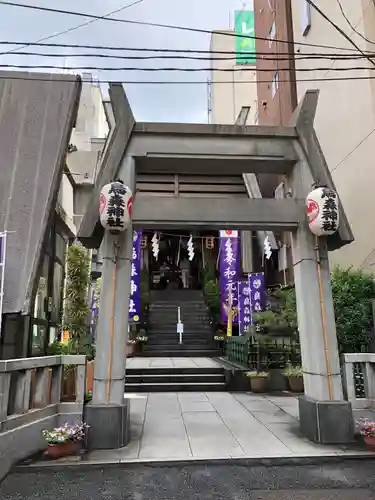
171 363
221 425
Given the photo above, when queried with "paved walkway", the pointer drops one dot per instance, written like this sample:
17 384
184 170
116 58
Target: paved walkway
188 426
171 363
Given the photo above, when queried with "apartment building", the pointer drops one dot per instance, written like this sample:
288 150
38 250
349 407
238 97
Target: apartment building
345 119
229 91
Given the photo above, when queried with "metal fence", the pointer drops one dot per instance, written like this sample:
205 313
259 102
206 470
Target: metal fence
253 353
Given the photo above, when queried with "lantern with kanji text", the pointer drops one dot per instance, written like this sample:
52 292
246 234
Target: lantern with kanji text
323 211
115 206
144 241
210 242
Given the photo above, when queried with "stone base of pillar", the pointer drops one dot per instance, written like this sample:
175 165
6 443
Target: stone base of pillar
326 422
109 426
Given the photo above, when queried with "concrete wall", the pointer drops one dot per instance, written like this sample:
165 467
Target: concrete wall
36 118
228 98
344 119
88 136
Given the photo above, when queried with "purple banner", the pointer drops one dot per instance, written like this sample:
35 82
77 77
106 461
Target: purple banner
229 274
257 292
135 283
244 308
94 312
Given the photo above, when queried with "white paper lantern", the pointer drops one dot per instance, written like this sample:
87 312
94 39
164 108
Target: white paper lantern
323 211
115 206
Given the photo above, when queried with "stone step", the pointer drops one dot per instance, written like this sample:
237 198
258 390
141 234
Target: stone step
176 387
188 330
170 320
174 335
175 378
177 347
212 370
173 307
188 353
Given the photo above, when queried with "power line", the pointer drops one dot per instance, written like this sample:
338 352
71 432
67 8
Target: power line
50 78
350 55
174 69
165 26
352 25
353 150
337 28
74 28
189 57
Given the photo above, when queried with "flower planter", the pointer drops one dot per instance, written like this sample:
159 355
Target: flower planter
220 345
370 441
296 384
62 449
131 349
259 384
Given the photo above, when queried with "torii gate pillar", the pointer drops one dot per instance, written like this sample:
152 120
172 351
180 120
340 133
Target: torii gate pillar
108 415
325 416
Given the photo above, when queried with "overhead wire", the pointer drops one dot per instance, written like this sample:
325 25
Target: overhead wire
161 25
352 25
74 28
173 69
349 55
38 77
337 28
261 56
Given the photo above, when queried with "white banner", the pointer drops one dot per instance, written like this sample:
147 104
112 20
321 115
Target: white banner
3 242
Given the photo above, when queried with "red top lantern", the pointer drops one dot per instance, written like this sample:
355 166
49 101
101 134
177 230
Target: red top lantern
323 211
115 206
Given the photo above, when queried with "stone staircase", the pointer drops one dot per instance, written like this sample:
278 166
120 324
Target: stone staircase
175 379
163 339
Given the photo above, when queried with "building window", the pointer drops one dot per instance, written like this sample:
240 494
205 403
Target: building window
41 305
272 34
256 118
275 84
305 18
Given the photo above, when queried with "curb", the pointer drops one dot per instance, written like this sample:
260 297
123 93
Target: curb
239 462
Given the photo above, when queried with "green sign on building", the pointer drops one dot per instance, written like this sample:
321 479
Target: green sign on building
245 45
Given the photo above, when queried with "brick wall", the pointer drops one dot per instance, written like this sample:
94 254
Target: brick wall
275 105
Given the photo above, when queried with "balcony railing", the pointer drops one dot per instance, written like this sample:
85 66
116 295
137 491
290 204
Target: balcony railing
32 399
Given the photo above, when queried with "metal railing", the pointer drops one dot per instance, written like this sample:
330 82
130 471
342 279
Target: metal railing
251 353
32 399
359 380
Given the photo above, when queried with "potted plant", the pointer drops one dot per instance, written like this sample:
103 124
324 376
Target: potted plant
141 339
63 441
258 381
131 347
295 377
219 338
367 430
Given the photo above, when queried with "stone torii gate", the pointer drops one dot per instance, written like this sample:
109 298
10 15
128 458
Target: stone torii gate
186 149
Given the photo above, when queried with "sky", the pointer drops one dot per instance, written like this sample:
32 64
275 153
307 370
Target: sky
173 103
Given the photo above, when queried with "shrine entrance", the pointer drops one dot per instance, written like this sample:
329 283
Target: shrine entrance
209 156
